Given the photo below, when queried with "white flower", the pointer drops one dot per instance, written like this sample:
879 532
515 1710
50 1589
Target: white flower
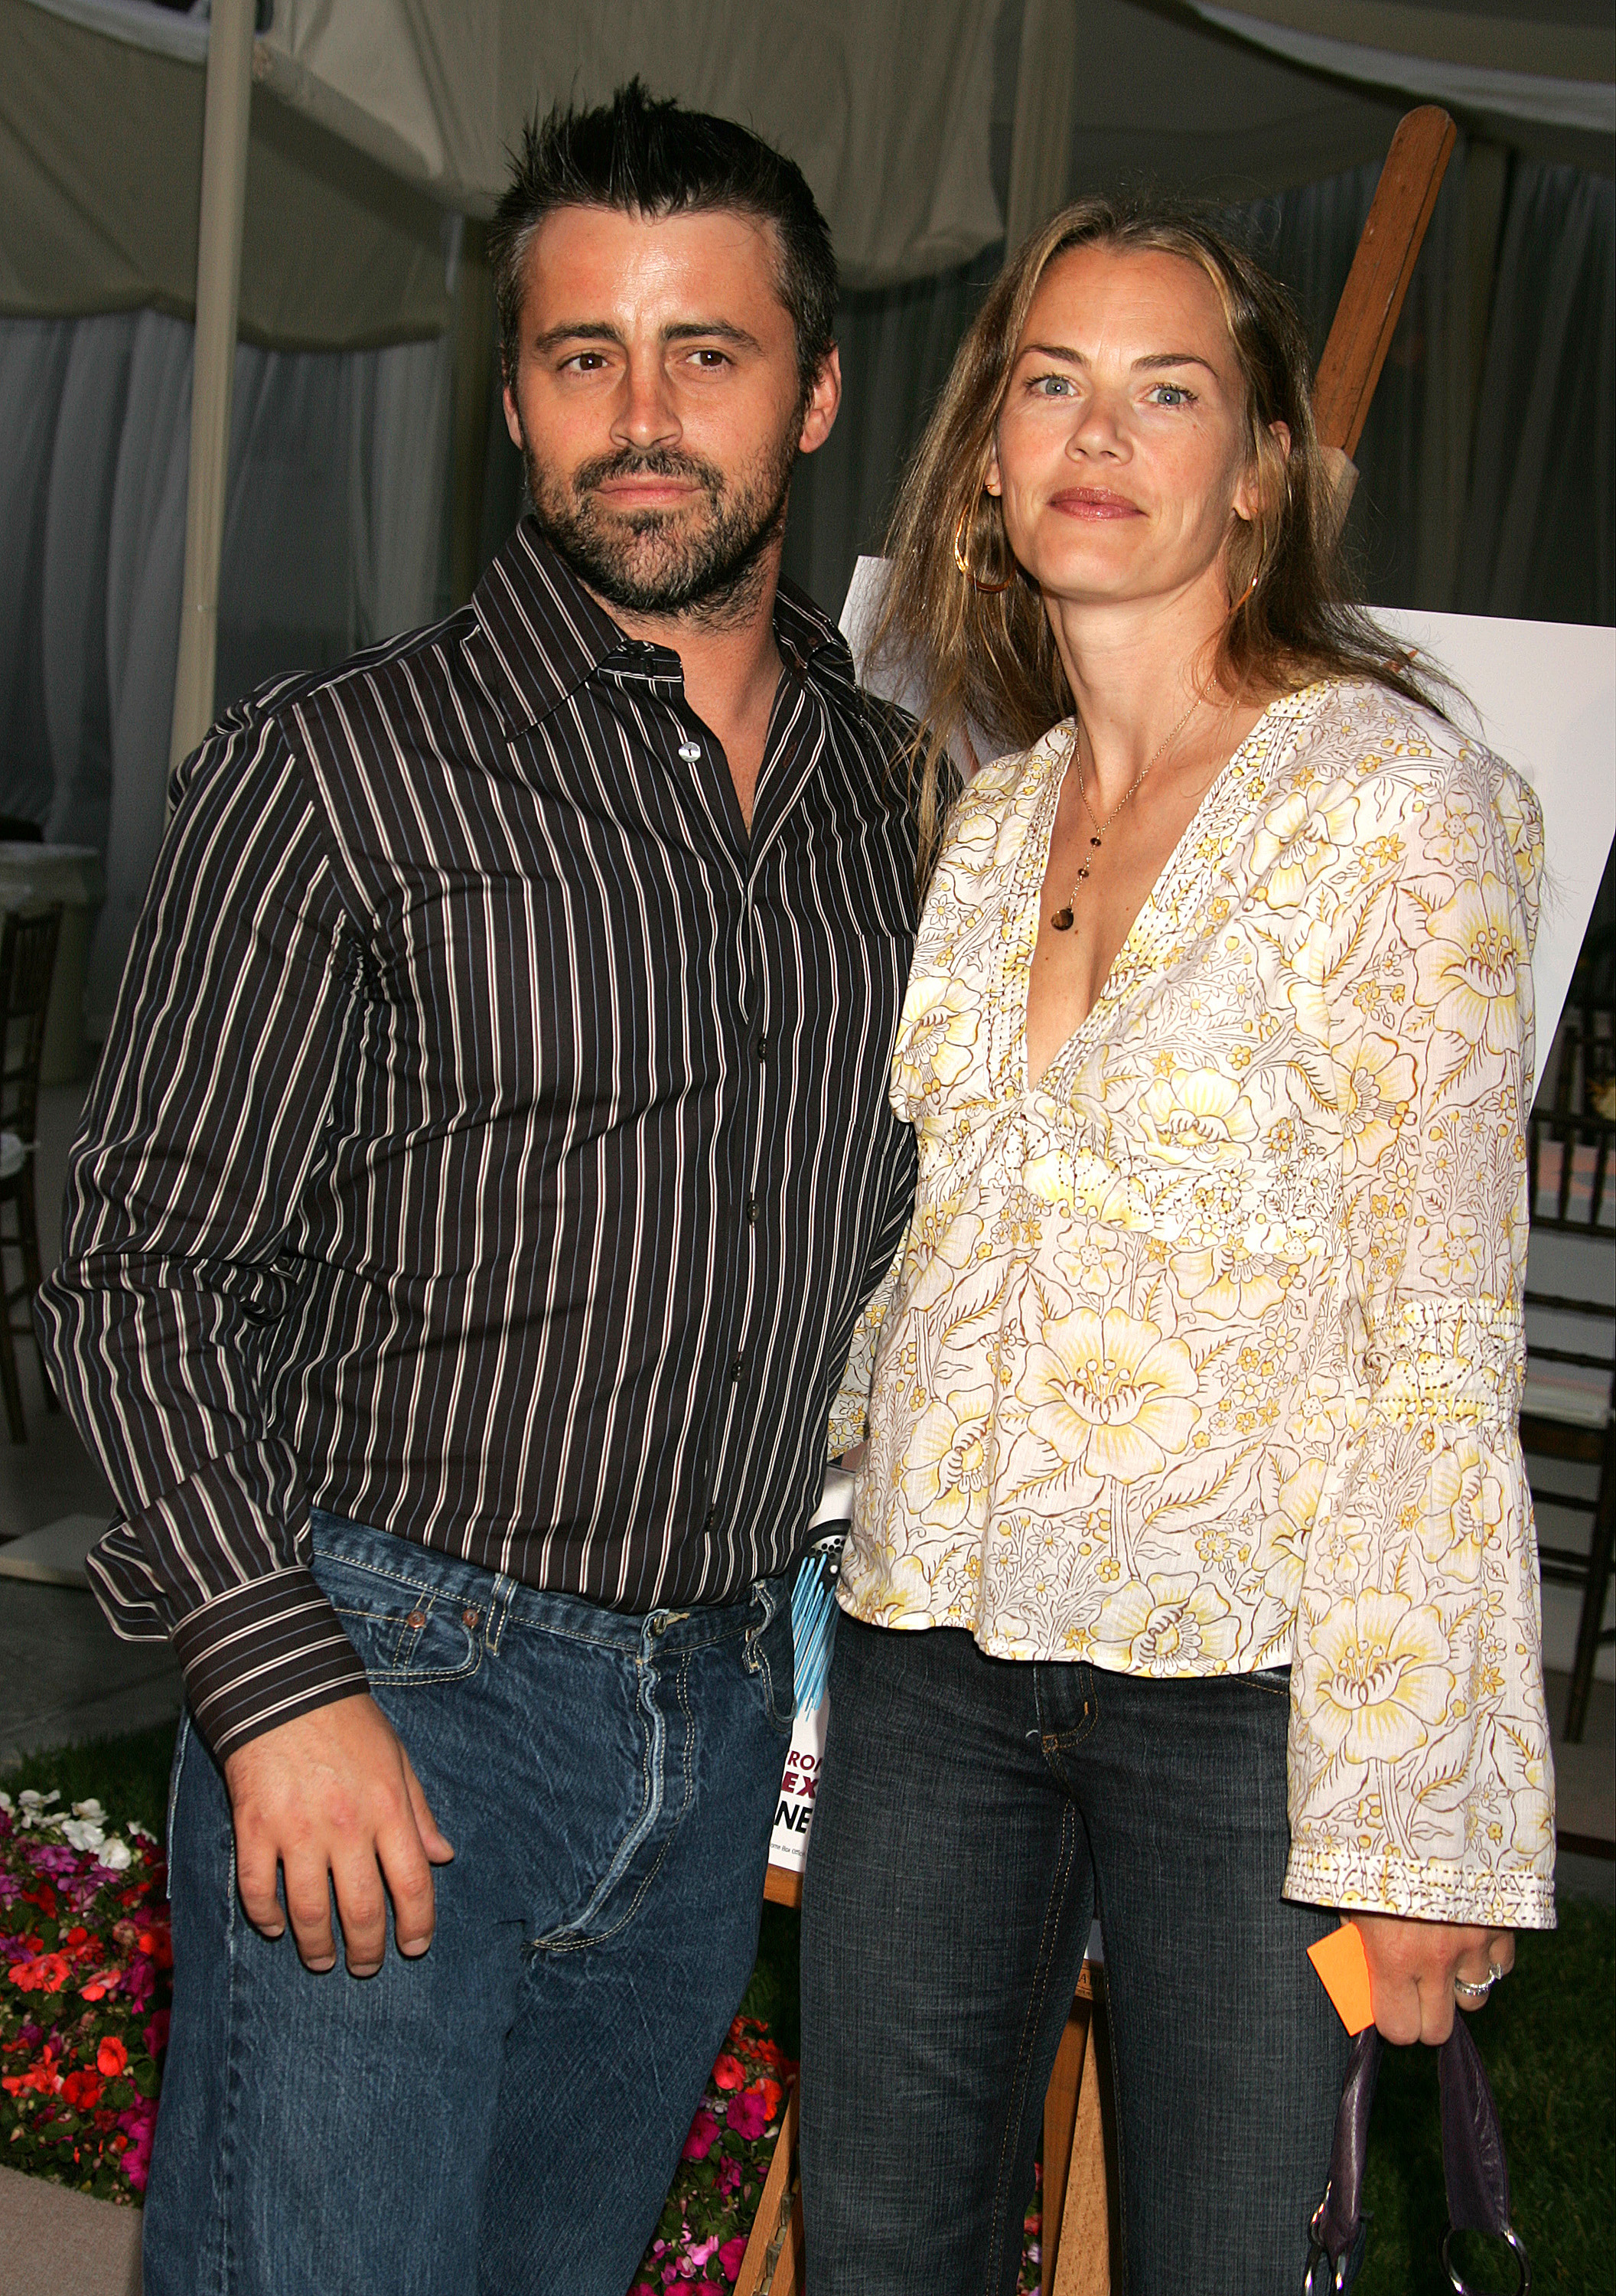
141 1833
91 1809
6 1802
114 1853
32 1800
83 1833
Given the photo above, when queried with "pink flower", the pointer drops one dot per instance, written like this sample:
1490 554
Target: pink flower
748 2116
729 2175
703 2135
729 2256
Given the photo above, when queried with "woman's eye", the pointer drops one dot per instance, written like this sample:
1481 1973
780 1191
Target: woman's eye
1051 386
1171 394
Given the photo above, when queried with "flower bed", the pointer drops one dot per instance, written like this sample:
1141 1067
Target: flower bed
701 2236
84 1991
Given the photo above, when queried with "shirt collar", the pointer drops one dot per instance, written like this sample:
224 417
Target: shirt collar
539 635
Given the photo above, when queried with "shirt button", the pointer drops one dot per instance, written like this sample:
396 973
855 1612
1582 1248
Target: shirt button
689 752
736 1369
751 1211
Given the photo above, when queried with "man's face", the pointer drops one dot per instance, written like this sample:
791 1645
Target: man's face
657 404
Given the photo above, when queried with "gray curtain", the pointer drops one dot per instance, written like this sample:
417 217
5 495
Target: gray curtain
1486 480
334 534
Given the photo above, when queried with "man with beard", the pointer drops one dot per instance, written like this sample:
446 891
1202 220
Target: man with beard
488 1163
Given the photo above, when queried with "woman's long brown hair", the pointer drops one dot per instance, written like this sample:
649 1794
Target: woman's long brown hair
990 660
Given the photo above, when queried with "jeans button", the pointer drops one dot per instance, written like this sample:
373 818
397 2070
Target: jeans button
417 1618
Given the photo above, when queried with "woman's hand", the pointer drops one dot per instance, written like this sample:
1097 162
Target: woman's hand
1412 1969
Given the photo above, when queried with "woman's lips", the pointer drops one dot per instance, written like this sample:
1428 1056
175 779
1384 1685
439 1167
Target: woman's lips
1094 502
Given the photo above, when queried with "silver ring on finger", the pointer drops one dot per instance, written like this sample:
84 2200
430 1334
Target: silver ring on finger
1466 1991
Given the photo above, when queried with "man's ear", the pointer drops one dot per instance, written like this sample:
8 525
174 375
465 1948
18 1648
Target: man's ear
823 400
513 421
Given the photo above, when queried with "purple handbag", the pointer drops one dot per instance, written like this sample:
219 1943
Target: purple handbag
1473 2166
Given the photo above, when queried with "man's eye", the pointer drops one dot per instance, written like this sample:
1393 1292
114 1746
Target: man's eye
710 359
584 362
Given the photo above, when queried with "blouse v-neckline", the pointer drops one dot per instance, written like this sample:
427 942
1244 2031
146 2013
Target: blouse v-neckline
1129 961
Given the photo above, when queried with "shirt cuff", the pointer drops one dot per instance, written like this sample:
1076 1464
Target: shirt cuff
263 1654
1432 1890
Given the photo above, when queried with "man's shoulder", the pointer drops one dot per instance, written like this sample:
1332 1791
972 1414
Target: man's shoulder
287 717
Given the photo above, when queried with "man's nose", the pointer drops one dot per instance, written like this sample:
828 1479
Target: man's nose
645 415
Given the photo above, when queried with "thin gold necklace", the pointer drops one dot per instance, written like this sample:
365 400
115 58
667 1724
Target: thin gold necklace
1061 919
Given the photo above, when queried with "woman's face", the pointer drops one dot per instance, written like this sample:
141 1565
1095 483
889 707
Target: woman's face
1122 446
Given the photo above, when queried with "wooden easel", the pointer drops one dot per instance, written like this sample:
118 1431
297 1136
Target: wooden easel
1079 2190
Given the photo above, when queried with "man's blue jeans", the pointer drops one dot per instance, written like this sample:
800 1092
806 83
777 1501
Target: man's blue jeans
971 1811
506 2113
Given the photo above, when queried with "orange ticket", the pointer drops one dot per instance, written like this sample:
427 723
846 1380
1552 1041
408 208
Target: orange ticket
1344 1972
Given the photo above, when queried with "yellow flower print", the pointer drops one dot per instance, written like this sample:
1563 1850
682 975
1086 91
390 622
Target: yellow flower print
1458 1248
1166 1625
1463 1509
1298 839
1467 968
1285 1531
1089 1263
1109 1394
935 1037
1456 838
1197 1113
1226 1279
1341 1550
1376 1677
1375 1091
950 1459
899 1592
940 1248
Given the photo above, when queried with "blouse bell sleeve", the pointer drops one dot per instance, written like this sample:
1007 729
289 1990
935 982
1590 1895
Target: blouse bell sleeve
1421 1782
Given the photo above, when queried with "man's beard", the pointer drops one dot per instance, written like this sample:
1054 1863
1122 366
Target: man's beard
657 562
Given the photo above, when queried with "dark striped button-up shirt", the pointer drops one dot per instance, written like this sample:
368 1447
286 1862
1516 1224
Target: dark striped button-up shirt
492 1142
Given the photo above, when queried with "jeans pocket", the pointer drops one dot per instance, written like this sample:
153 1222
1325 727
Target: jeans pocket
769 1654
406 1631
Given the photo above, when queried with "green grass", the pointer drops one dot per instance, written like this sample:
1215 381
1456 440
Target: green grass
127 1775
1545 2038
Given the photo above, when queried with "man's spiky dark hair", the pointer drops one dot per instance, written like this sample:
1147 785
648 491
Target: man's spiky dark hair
647 156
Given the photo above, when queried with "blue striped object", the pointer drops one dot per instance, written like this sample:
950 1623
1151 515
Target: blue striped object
813 1617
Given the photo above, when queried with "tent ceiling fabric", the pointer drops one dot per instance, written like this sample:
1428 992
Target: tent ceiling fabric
885 104
1556 75
101 146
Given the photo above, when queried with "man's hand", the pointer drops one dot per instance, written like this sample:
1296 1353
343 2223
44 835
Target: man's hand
1412 1966
332 1795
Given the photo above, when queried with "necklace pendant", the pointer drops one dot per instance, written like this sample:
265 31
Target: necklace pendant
1062 920
1094 841
1083 871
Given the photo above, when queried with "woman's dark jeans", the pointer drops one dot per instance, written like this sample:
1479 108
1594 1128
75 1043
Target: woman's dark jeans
973 1814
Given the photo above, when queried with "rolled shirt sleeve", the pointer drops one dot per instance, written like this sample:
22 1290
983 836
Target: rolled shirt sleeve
1421 1780
210 1116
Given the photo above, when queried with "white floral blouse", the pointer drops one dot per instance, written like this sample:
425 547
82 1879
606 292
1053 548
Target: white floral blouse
1205 1353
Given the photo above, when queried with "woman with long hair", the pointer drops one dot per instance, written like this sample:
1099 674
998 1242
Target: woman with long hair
1193 1453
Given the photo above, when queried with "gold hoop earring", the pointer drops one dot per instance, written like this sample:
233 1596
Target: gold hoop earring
988 589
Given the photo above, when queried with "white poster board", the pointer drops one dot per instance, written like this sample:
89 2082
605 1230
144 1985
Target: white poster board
1544 699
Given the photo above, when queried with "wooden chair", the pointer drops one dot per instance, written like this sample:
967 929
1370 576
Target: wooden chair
27 958
1569 1142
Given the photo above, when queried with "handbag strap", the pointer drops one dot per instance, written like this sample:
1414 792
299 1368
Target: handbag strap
1473 2167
